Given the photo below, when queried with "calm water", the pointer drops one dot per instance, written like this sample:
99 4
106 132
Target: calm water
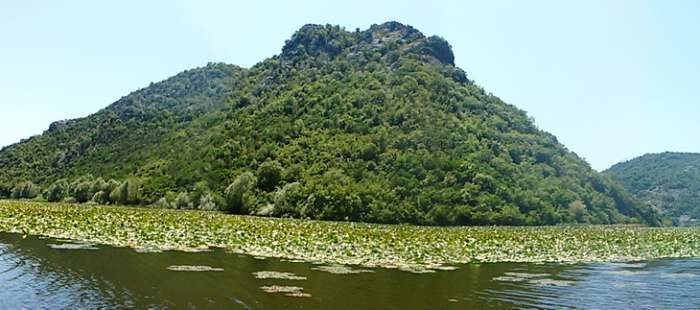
35 275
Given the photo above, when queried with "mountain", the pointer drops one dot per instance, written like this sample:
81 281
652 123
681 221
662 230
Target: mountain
375 125
669 182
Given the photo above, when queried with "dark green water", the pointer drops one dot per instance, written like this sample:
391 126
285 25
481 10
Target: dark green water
35 276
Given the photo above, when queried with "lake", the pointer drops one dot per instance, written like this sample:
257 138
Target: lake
47 273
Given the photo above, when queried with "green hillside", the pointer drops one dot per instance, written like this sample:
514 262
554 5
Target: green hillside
669 182
375 125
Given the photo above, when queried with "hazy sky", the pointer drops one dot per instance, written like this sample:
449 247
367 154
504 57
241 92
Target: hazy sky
611 79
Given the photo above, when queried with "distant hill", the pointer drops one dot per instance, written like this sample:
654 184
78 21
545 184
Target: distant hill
669 182
375 125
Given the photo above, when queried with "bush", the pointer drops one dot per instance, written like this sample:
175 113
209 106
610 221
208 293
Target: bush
5 190
163 203
182 201
126 193
57 191
100 197
239 195
288 199
81 191
208 202
269 175
26 190
577 210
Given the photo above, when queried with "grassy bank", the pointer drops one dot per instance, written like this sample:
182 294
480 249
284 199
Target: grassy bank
347 243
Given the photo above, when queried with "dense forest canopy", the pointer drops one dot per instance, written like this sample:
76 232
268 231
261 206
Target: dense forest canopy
375 125
668 182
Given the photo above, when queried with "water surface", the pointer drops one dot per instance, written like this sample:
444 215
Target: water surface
48 273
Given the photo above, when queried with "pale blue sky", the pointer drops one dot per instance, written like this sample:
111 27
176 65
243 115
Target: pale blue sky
611 79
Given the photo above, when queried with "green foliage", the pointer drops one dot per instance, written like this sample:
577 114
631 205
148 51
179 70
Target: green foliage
208 202
100 197
375 126
288 199
577 210
126 193
5 190
26 190
669 182
57 191
240 197
269 175
182 201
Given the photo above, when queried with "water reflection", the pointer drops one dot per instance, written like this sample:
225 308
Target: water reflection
35 275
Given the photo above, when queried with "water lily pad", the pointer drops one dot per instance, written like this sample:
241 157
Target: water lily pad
277 275
73 246
148 250
416 270
187 268
340 269
519 276
291 291
445 268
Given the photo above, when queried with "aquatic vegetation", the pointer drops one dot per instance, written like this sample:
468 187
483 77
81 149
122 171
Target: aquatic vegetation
444 268
277 275
291 291
73 246
409 248
340 269
194 268
539 279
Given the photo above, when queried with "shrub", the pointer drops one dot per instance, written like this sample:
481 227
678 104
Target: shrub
100 197
287 200
5 190
269 175
182 201
163 203
57 191
239 195
577 210
126 193
26 190
208 202
81 191
120 194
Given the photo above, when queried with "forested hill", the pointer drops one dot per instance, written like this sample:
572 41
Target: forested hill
375 125
669 182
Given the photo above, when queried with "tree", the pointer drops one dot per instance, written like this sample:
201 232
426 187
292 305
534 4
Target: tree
183 201
26 190
5 190
577 209
120 194
57 191
239 195
208 202
269 175
126 193
81 191
287 200
100 197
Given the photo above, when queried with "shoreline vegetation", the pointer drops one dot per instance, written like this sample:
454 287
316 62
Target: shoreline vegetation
375 125
410 248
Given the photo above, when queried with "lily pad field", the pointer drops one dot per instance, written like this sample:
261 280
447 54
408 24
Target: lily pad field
410 248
